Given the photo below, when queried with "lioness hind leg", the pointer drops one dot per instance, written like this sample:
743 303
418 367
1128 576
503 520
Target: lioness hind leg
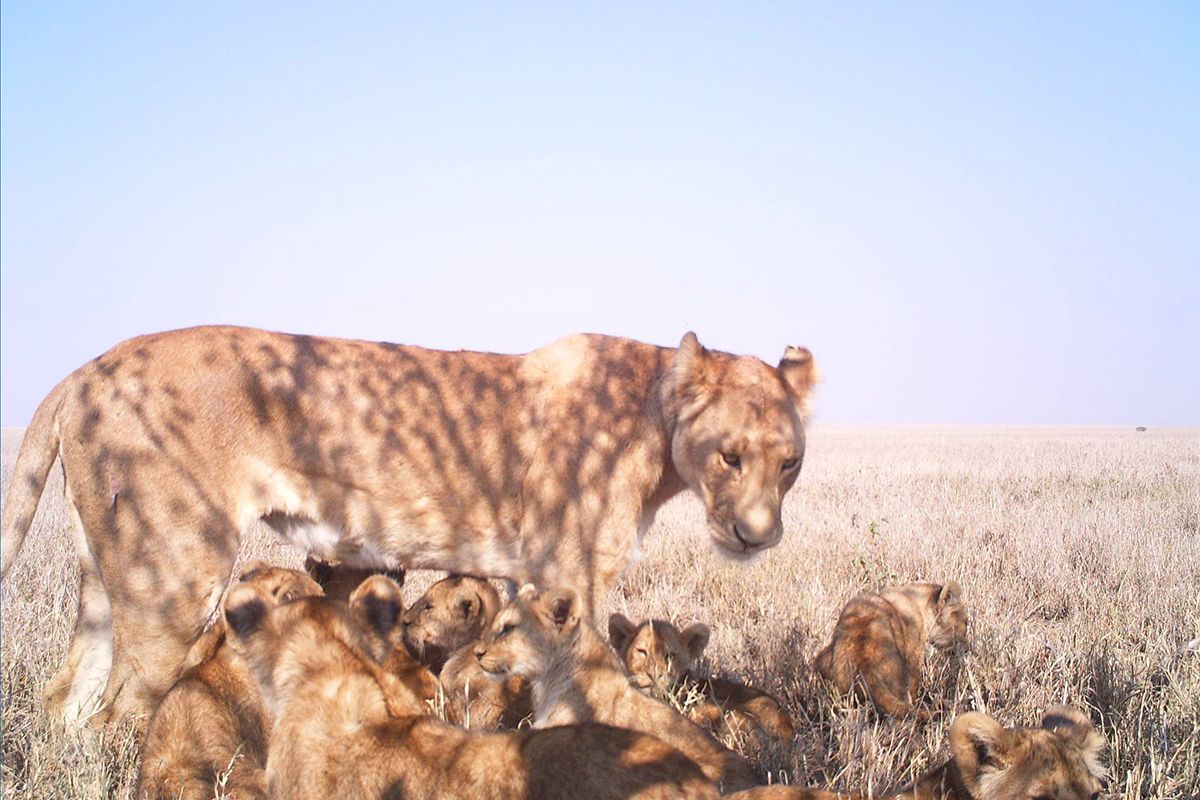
75 692
163 591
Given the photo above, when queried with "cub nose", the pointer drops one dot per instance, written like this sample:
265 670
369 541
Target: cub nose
480 652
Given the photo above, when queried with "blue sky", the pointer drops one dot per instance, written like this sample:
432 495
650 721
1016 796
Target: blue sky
972 213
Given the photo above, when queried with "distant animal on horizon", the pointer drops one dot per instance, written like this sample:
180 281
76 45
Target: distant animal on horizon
879 642
545 467
661 660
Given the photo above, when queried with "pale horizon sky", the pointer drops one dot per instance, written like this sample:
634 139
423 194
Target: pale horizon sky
970 213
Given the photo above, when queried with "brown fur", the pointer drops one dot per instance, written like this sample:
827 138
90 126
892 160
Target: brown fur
661 660
479 701
345 728
450 615
543 467
577 678
339 581
881 639
210 732
1061 760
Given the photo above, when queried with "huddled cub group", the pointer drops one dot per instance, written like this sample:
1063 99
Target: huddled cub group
323 684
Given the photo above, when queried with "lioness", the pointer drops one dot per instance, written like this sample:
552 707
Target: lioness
211 728
577 678
344 727
882 638
452 613
1059 761
547 466
660 660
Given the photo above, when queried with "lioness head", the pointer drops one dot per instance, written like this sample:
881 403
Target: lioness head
656 654
451 614
528 633
739 437
1059 761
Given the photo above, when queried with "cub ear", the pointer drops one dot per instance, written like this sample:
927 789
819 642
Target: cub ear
690 376
527 592
470 606
1074 726
977 741
798 371
380 601
561 609
245 609
949 594
620 629
695 639
252 567
320 571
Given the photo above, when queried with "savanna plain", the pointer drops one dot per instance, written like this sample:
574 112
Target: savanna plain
1078 550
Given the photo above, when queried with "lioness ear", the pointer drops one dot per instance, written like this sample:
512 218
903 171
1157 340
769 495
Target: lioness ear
977 741
380 601
245 608
1074 726
695 639
562 608
619 630
950 593
690 377
798 371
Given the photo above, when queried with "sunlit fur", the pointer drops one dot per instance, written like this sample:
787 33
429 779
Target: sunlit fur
879 642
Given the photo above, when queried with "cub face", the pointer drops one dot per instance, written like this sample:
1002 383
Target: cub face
655 653
1059 761
529 632
739 438
948 617
453 613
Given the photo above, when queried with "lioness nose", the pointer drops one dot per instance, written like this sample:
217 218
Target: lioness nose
757 526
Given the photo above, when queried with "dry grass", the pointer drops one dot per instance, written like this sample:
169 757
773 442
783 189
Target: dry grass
1078 550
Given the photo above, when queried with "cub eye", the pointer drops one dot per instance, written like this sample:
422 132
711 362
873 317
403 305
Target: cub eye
790 464
732 460
506 630
428 607
641 651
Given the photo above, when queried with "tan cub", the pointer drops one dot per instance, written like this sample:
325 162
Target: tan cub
479 701
451 614
1061 760
882 637
577 678
345 727
660 659
339 581
211 728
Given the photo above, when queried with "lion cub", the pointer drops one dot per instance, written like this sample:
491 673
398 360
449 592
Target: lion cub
577 678
339 581
451 614
346 727
660 658
211 727
882 638
1059 760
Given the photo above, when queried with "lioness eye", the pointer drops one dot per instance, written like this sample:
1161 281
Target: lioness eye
732 459
790 464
